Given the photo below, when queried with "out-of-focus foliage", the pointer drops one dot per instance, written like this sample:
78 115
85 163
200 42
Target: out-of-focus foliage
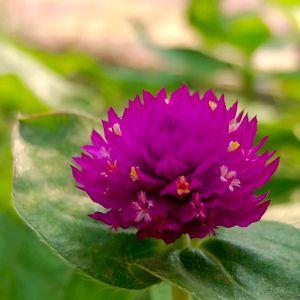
48 86
246 31
37 81
286 2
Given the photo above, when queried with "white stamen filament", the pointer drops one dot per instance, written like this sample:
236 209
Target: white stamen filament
233 125
229 176
116 129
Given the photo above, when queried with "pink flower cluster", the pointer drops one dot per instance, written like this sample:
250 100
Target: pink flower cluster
182 164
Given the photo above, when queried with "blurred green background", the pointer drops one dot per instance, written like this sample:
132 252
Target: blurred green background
85 56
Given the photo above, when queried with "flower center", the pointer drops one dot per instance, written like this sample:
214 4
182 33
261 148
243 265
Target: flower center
112 166
182 186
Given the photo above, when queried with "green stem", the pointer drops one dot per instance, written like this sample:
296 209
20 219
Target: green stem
179 294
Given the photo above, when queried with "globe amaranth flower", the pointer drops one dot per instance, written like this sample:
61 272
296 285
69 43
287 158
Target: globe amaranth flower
183 164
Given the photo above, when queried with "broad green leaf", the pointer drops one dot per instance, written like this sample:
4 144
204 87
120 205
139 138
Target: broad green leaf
261 262
45 196
30 271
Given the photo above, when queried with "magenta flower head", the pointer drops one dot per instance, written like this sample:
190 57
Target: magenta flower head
183 164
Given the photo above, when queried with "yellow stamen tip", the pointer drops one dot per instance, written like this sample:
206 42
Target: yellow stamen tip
233 145
213 105
133 174
182 186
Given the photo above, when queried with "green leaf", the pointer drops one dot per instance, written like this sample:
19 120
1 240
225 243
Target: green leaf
14 96
47 199
245 30
280 188
30 271
192 61
48 86
262 262
248 32
206 16
280 136
289 83
285 182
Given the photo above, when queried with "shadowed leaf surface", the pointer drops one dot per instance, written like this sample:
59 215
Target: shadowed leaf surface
262 262
30 271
